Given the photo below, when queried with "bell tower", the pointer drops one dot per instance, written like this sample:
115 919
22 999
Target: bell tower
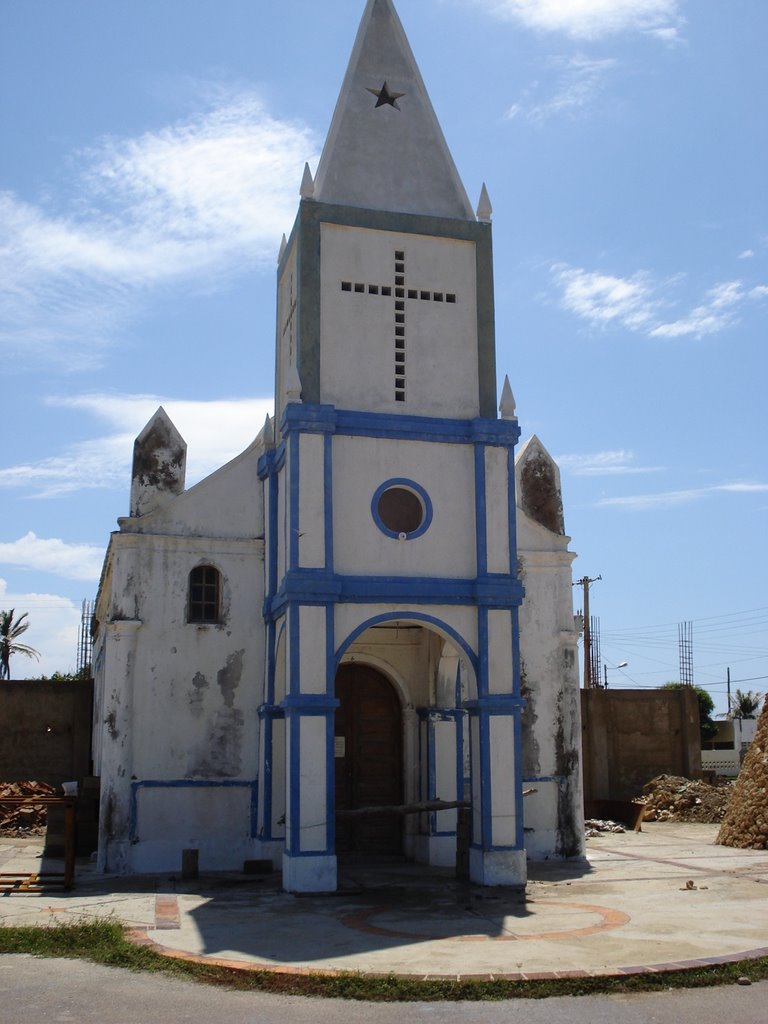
389 483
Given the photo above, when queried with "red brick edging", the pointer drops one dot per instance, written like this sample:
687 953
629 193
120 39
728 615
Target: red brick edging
140 938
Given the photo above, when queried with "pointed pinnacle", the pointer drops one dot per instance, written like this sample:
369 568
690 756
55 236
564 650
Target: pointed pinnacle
507 405
283 247
484 208
307 189
293 385
268 432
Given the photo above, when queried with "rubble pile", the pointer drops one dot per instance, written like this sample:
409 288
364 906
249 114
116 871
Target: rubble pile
594 826
675 798
27 819
745 824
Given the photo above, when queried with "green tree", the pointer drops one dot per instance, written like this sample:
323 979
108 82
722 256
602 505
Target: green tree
62 677
10 630
745 704
707 727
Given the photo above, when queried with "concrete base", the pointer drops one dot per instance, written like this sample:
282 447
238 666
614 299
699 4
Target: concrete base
309 873
114 857
498 867
437 851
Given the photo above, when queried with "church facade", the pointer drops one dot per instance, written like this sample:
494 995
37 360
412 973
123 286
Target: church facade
371 605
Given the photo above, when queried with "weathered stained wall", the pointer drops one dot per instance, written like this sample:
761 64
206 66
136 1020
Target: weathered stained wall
630 736
549 670
46 730
176 709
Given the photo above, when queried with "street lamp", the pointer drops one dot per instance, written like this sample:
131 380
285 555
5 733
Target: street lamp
615 668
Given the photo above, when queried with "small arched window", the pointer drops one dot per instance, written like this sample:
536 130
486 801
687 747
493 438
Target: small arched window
204 598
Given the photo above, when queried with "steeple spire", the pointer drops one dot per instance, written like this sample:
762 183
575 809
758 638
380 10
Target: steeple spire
385 149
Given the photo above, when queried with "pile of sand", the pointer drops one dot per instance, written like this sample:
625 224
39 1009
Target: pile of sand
745 824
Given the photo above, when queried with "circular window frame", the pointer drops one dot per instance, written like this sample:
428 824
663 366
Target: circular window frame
414 488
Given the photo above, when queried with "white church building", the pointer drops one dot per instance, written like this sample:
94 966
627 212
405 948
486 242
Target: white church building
372 604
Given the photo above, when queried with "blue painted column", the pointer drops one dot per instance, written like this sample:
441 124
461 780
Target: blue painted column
309 861
442 756
497 855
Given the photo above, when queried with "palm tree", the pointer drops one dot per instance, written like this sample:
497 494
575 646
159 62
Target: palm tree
10 631
745 704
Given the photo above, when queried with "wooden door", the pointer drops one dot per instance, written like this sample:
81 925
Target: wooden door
369 759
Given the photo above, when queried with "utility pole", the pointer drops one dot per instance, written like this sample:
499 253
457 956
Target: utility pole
588 681
730 709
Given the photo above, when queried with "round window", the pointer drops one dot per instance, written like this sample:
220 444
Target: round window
401 508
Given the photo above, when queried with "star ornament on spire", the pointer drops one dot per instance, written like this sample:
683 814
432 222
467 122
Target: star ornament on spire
385 98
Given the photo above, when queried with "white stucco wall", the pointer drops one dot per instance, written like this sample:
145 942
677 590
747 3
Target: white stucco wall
445 471
357 369
551 719
193 689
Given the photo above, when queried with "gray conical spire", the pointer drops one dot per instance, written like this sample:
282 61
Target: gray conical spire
385 149
507 405
484 208
307 190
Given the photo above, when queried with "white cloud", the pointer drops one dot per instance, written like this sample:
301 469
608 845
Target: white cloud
54 624
669 499
747 254
72 561
579 82
742 488
609 463
592 19
603 298
215 432
209 196
666 499
715 314
636 303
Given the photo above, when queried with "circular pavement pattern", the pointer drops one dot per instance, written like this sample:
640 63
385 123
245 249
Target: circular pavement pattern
548 920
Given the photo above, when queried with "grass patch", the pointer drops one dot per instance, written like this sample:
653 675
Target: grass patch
104 942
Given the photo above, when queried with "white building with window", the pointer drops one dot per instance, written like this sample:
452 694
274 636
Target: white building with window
371 605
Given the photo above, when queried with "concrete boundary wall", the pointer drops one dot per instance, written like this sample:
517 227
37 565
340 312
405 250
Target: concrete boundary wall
630 736
45 730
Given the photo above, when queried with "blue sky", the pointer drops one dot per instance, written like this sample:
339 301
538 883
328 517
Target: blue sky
150 160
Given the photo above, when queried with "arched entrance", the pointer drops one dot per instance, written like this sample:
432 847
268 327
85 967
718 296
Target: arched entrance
369 759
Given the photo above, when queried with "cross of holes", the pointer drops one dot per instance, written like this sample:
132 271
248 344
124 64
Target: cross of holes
401 293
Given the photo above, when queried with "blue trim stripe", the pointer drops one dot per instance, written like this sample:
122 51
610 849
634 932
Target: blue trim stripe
314 586
328 488
315 419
